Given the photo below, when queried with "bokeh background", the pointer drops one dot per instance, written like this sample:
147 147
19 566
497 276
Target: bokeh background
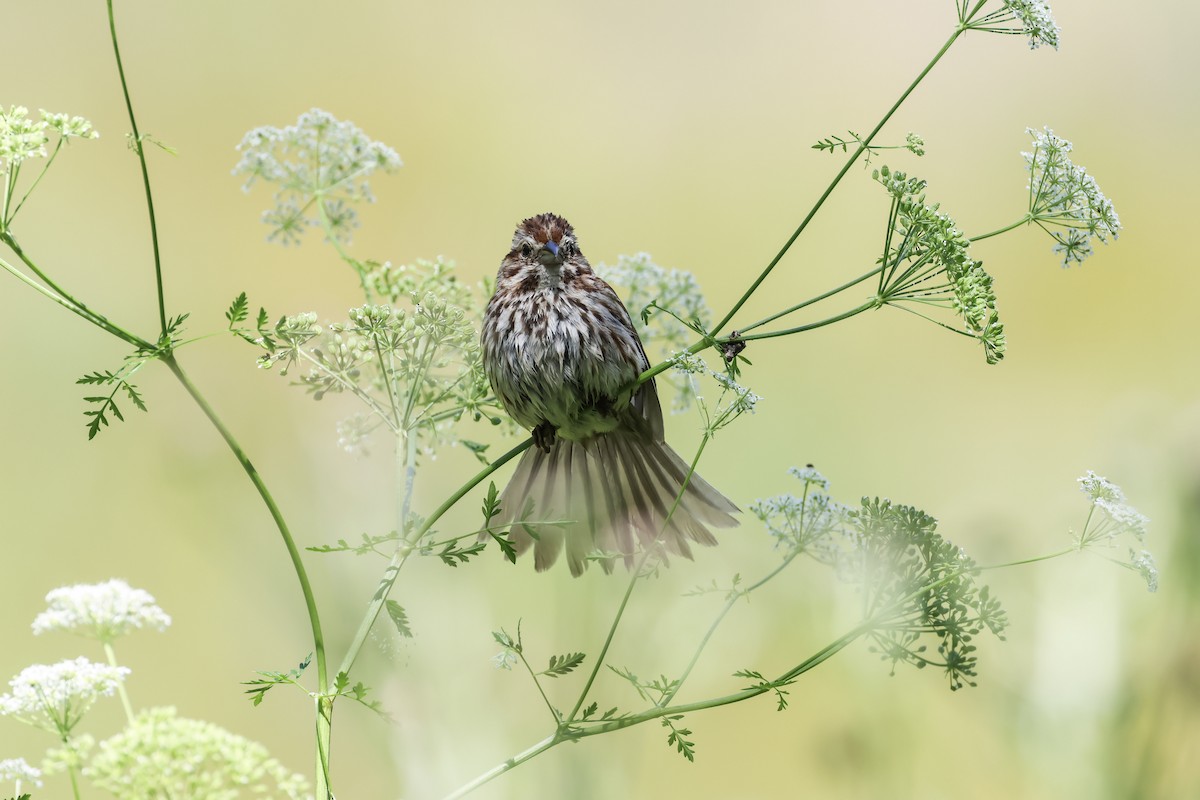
681 129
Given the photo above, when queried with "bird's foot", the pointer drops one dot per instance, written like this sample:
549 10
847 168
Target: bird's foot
543 436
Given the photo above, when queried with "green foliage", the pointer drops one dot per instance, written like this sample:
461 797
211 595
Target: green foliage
654 691
562 665
261 334
491 507
589 714
414 364
107 404
761 682
833 144
399 619
452 555
368 544
358 693
678 737
269 680
917 587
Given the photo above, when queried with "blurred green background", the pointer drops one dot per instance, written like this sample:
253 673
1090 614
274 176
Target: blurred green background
682 130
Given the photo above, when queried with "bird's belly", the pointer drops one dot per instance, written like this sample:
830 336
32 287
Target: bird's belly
575 381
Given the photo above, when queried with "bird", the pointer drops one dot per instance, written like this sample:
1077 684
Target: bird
563 357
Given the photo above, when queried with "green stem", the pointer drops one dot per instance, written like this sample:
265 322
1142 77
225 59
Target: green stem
58 295
515 761
402 553
327 226
324 722
538 684
633 579
810 302
575 734
8 218
98 322
71 773
137 142
729 603
1033 560
812 325
112 662
612 632
836 180
1025 220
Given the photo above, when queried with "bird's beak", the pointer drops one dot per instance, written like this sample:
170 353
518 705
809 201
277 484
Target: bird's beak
549 255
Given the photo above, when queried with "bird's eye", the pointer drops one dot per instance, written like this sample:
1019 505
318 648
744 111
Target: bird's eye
527 249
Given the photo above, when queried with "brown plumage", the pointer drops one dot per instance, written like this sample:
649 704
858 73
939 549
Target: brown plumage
561 351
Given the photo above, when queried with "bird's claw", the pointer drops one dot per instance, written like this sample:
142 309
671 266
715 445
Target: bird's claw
543 436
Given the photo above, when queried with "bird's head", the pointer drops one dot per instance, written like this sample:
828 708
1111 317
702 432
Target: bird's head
546 240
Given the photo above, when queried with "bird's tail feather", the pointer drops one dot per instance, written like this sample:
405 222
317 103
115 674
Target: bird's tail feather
612 493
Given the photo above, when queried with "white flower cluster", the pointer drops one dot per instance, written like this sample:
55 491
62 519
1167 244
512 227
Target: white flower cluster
319 158
163 755
56 696
22 138
17 769
1036 21
812 523
662 331
733 400
1064 194
1111 518
102 611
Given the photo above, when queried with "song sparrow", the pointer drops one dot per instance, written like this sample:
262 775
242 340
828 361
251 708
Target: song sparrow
561 353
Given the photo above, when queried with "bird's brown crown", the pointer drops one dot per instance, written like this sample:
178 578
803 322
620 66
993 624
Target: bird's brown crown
543 228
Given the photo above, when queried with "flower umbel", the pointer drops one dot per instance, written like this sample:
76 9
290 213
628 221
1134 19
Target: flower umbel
318 165
926 263
809 524
163 755
18 770
1031 18
1112 521
103 611
415 365
1065 201
21 138
56 696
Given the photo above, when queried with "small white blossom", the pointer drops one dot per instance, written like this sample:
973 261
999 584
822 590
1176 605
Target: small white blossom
21 138
914 144
321 159
735 397
811 523
689 363
1064 196
69 127
17 769
1098 487
1143 563
1036 21
56 696
103 611
810 477
1112 518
